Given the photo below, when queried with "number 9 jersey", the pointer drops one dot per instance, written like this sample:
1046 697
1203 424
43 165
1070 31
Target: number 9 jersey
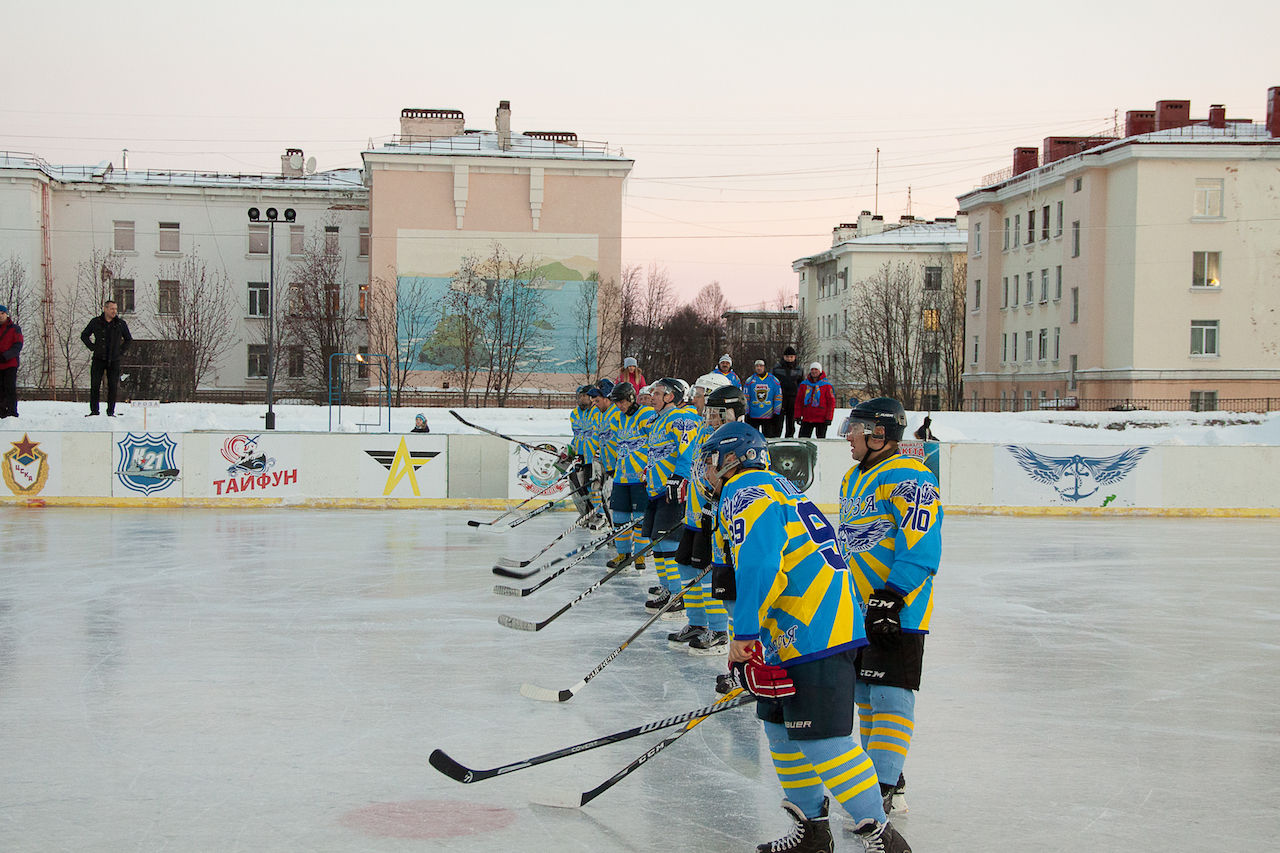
795 594
891 533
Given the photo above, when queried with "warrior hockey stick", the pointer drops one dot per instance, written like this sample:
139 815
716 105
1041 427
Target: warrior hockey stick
576 556
573 800
516 508
545 694
447 765
524 625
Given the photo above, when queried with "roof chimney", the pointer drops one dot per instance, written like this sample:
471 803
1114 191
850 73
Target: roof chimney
1170 114
1025 159
1138 122
503 120
423 124
1217 116
1273 111
291 163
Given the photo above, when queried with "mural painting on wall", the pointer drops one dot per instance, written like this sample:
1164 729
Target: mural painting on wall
146 463
1097 479
26 467
561 267
249 468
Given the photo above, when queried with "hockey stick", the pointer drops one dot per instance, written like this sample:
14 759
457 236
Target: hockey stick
574 800
447 765
528 591
528 447
545 694
540 510
577 555
516 508
524 625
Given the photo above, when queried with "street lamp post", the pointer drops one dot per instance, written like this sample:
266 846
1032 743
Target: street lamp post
271 215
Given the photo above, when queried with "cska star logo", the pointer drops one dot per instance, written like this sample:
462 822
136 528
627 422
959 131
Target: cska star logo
26 467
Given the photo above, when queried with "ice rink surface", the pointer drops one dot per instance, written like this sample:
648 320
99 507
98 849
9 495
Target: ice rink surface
274 680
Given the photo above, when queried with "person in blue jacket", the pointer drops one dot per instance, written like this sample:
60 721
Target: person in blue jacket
725 368
764 400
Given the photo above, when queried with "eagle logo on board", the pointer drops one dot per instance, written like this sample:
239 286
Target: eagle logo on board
1076 477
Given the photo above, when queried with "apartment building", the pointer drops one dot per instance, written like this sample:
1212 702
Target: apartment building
1134 268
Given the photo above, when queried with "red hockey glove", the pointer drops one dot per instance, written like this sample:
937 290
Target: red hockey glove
763 679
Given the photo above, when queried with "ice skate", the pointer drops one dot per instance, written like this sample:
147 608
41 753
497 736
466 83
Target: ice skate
807 836
653 605
879 837
680 639
895 797
709 642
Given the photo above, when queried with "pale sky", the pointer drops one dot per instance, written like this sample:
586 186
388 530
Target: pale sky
753 125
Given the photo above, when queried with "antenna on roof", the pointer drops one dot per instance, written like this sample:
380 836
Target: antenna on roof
295 161
311 166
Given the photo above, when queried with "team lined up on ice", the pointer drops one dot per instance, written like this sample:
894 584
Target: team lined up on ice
815 619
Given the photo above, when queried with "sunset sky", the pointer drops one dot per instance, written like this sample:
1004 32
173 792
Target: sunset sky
753 125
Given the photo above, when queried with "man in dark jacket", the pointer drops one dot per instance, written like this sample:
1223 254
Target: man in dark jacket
788 374
107 336
10 346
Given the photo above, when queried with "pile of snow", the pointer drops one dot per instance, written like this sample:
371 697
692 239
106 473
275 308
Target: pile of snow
1139 427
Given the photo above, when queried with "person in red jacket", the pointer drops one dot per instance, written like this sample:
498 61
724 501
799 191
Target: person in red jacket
815 403
10 346
631 374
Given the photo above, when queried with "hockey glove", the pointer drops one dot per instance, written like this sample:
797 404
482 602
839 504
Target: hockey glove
763 680
884 625
675 490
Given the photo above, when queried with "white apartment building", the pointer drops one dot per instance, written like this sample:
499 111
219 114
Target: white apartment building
128 231
1142 268
859 251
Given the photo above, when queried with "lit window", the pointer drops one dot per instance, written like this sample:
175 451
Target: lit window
1204 269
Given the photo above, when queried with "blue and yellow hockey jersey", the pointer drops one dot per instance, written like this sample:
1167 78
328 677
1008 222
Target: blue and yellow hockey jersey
891 533
699 489
670 436
764 396
795 593
607 433
632 436
583 431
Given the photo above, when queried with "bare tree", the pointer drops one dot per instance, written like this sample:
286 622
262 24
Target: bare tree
17 294
610 319
888 317
95 278
648 301
587 332
456 342
400 323
514 322
949 340
192 323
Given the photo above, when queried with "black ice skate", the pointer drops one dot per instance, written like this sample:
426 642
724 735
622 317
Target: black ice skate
653 605
709 642
807 836
880 837
680 639
895 796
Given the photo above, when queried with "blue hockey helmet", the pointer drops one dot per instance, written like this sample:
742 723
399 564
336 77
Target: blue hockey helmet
605 386
583 389
742 440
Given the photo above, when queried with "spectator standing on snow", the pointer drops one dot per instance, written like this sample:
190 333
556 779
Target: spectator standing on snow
420 423
631 374
815 403
764 400
10 346
107 337
725 368
788 373
923 432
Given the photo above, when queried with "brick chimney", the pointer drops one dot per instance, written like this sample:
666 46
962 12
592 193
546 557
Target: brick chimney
503 121
1273 112
423 124
291 163
1025 159
1170 114
1138 122
1217 116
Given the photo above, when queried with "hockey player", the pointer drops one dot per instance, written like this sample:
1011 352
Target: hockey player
606 445
724 406
725 368
890 534
764 399
708 630
796 638
672 430
577 460
629 499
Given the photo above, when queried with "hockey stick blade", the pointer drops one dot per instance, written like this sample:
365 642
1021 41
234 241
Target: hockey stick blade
546 694
499 589
503 571
455 770
518 624
513 564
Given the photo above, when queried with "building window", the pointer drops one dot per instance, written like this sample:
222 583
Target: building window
331 238
257 367
297 239
1017 229
1017 285
1005 304
1058 228
364 243
1004 396
364 308
1075 239
333 300
1004 347
932 364
1006 232
259 239
1031 226
1204 337
1044 223
362 363
170 232
259 299
933 278
929 320
1204 401
1057 283
1078 185
122 294
123 236
1026 400
1044 395
1075 305
1043 352
1013 340
168 299
975 349
1030 337
295 362
1057 342
1044 285
977 294
1204 269
977 238
1071 373
1208 199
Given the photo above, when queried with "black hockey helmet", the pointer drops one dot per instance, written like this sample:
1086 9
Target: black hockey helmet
879 411
730 397
583 389
675 387
623 392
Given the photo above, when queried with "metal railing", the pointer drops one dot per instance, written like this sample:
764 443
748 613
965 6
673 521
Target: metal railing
1115 404
450 399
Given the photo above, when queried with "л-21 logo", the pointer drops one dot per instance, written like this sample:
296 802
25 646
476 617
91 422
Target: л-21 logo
148 463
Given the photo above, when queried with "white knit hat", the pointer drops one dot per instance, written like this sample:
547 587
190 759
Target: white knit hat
726 357
816 366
